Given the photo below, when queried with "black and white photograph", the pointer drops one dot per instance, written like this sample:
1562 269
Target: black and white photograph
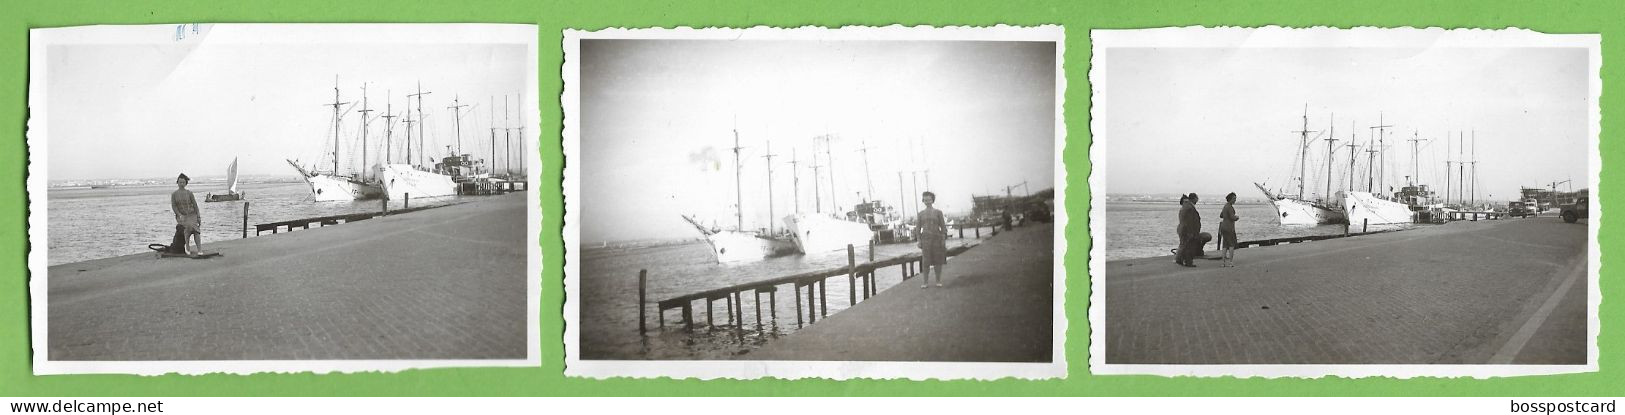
814 202
1350 202
243 198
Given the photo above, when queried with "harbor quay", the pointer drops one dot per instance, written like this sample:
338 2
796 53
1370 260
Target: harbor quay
995 306
1510 291
443 283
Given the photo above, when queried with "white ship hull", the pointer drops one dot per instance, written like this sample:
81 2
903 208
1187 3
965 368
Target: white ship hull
326 188
1367 209
1298 212
734 246
818 233
401 180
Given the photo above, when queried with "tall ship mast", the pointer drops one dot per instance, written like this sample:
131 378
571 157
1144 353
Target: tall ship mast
818 232
738 244
401 181
335 186
1297 209
1374 206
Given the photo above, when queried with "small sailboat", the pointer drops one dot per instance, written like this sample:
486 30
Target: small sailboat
231 186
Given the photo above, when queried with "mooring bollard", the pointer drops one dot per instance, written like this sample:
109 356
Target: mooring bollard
245 219
1364 224
406 201
851 277
643 300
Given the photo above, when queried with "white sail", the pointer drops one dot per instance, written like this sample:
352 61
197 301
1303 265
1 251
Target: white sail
231 176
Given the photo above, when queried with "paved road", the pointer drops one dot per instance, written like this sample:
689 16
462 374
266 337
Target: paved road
996 305
445 283
1508 291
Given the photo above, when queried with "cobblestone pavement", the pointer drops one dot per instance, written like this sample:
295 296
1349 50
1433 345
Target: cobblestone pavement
445 283
1507 291
995 305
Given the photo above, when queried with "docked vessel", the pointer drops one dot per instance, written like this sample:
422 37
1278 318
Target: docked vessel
231 186
1294 211
401 181
814 233
1363 208
1297 209
335 186
740 246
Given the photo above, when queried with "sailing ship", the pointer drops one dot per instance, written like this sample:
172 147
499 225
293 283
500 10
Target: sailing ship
739 245
406 180
817 232
334 186
1296 209
1373 207
231 186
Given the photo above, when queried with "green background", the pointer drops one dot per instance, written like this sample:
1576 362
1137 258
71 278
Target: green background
1606 18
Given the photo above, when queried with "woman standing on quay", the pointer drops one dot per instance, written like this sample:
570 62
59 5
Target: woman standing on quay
1227 229
933 234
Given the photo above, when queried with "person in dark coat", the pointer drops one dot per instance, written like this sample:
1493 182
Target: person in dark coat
1190 223
1179 230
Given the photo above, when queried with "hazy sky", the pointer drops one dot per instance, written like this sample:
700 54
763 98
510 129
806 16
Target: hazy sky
659 116
155 107
1215 120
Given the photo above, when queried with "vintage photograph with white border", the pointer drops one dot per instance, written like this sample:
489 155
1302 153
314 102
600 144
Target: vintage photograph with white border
724 188
244 198
1308 202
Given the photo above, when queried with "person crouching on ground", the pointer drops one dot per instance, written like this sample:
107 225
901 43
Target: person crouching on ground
1191 221
186 214
933 235
1227 229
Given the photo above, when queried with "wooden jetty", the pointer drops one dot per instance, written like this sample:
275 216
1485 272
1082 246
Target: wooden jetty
305 223
909 265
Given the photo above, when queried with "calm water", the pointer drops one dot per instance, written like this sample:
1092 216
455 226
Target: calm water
609 298
1146 229
87 224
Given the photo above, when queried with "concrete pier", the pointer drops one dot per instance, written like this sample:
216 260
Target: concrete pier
995 306
445 283
1484 292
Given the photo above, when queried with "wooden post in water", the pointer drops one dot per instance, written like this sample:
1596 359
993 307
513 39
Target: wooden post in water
812 307
773 306
756 300
729 299
978 232
851 277
384 205
688 317
643 300
797 288
823 296
869 279
406 202
245 219
708 308
1364 223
